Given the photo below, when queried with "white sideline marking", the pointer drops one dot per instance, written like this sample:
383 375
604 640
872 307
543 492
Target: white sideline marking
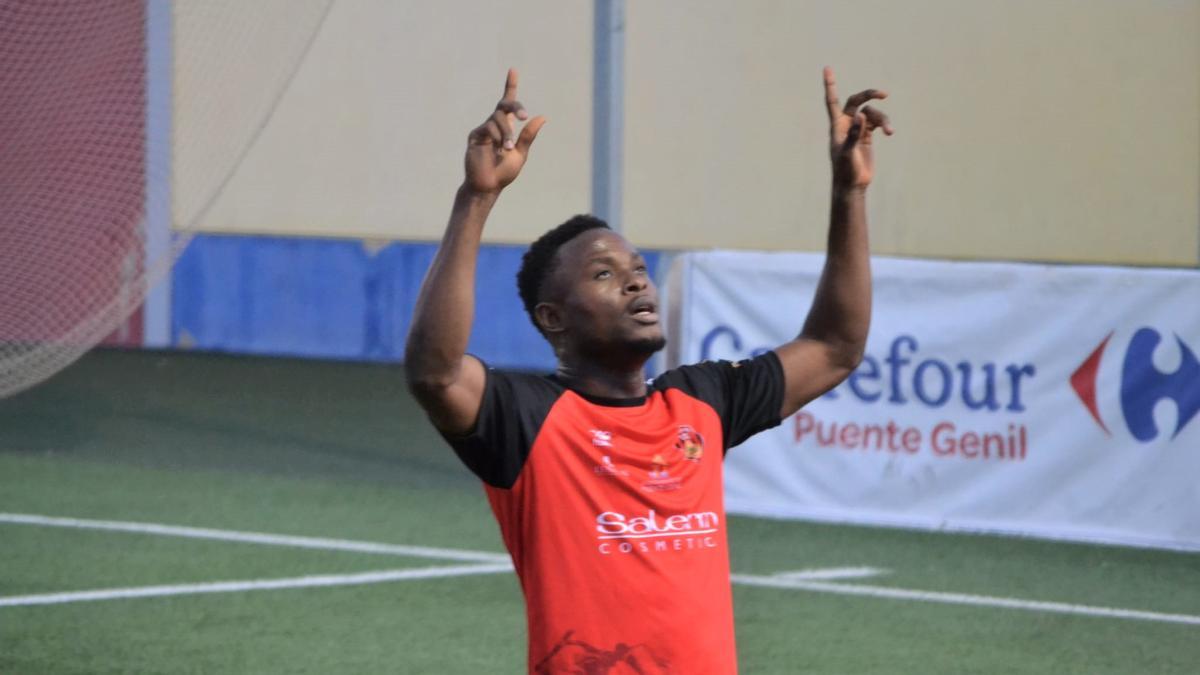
964 599
319 543
254 585
499 563
831 573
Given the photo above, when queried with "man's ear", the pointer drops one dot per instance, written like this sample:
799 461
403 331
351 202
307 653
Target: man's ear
549 317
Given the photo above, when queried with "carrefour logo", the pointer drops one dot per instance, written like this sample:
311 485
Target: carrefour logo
905 376
1143 385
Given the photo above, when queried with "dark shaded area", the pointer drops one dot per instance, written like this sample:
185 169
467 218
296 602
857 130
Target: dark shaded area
337 420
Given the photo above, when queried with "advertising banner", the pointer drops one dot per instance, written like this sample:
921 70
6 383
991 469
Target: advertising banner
1048 401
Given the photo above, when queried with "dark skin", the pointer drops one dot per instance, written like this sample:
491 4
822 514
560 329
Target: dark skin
601 315
599 308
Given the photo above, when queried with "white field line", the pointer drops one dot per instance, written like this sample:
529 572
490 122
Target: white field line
831 573
495 559
964 599
314 581
319 543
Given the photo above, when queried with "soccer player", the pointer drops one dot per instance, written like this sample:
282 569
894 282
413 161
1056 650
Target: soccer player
607 488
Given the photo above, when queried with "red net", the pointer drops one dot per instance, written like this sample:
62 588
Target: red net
81 167
72 175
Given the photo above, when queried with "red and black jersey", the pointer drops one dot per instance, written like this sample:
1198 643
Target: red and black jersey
612 510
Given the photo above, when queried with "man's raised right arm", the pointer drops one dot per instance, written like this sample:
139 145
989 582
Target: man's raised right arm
446 382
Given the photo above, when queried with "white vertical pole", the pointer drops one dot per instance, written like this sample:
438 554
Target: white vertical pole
608 111
156 313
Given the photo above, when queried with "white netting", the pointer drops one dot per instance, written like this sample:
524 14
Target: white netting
81 169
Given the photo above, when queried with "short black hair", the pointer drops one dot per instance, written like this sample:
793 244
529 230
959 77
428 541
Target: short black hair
538 262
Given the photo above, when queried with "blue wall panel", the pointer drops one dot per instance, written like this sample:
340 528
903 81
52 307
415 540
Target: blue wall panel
329 298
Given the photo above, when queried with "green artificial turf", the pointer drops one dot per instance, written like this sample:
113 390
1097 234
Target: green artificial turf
339 450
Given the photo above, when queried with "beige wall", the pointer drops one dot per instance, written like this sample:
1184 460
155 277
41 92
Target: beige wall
368 140
1045 130
1053 130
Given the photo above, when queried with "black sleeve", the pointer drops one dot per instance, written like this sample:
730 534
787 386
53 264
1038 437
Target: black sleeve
747 395
511 414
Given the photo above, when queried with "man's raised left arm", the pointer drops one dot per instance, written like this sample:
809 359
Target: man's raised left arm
831 344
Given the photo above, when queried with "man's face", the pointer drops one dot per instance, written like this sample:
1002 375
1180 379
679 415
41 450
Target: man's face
605 301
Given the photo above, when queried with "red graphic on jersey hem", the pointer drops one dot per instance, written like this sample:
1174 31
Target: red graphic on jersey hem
580 658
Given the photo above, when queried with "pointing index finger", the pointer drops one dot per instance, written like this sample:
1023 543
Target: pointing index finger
510 86
831 97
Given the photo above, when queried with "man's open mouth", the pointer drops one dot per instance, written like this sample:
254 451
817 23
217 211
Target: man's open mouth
644 310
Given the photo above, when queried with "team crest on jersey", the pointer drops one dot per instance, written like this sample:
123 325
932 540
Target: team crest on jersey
690 443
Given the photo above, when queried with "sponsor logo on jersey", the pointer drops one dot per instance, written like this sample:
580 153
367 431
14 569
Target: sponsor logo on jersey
660 478
606 467
654 533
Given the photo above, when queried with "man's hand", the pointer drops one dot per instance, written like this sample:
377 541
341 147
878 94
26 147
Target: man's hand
448 383
831 344
850 132
495 151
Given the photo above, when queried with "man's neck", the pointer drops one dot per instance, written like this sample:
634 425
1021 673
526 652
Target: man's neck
603 380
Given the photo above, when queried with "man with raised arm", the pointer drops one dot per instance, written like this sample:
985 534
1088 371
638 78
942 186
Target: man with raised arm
607 488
